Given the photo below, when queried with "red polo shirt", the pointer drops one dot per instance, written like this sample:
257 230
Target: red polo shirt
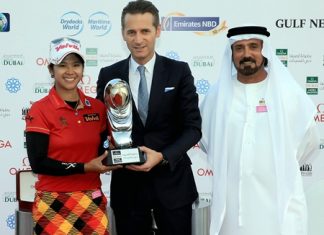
74 136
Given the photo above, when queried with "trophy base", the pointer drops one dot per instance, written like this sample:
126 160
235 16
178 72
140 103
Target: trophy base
124 157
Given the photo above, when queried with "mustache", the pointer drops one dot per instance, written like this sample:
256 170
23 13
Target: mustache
247 59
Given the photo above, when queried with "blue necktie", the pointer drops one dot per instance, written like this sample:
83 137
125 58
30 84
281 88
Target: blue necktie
142 95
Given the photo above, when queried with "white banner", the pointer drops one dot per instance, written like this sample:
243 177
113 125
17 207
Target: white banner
193 31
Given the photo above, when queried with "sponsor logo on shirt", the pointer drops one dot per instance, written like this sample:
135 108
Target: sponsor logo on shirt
92 117
63 121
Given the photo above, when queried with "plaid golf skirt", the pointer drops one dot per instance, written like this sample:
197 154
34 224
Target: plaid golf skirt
73 213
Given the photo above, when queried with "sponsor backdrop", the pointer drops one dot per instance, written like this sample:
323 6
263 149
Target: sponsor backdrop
193 31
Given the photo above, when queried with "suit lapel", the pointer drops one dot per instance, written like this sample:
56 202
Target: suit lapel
125 70
157 89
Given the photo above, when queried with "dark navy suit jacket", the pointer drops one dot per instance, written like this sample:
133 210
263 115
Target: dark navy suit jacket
172 127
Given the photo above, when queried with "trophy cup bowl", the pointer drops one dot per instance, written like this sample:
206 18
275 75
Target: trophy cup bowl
118 101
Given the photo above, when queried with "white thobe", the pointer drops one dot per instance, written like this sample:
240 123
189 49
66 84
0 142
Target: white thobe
251 202
251 189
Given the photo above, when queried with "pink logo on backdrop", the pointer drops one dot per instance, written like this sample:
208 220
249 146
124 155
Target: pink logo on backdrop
320 113
205 172
42 61
25 166
86 86
5 144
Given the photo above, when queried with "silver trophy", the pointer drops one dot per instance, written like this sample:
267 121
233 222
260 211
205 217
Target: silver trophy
118 101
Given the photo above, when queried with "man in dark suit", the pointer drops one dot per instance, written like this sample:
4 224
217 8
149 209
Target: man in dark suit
165 182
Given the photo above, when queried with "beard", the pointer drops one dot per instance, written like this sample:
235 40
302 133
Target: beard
248 69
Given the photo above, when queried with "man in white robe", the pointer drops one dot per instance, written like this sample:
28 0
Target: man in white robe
258 127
